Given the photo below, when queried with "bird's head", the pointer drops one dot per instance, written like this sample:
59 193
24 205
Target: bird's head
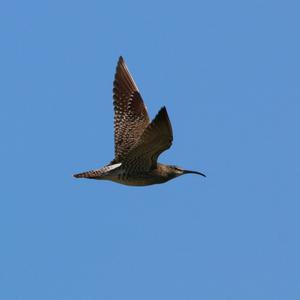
178 171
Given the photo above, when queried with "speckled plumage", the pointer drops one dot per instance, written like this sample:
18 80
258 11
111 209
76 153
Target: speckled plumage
138 142
131 117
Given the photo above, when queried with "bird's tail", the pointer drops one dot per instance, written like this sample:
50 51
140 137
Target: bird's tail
99 173
89 174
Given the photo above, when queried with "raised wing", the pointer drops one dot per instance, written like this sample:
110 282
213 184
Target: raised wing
156 138
131 117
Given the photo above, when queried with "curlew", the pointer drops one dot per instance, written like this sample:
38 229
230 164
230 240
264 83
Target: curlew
138 142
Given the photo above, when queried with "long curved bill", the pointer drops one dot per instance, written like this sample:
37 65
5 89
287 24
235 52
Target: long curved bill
193 172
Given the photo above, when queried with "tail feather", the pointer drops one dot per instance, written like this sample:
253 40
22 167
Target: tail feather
89 174
97 174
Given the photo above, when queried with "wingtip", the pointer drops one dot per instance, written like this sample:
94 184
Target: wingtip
163 112
163 109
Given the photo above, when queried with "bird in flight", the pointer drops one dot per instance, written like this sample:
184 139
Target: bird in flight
138 142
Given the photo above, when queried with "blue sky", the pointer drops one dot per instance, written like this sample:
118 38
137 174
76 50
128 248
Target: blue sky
228 73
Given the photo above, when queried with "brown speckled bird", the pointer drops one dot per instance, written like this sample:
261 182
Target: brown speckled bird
138 142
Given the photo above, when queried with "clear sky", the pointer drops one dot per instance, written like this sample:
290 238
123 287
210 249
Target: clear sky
228 73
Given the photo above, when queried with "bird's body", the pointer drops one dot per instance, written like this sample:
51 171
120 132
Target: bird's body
118 174
138 142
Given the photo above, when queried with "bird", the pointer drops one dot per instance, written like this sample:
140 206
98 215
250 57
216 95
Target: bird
138 142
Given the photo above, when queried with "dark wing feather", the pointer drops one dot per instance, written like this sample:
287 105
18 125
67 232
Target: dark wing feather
131 117
156 138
